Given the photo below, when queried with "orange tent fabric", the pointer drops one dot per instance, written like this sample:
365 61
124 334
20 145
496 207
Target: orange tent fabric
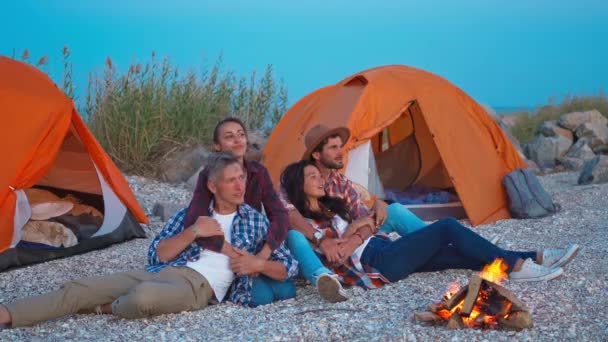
459 144
36 117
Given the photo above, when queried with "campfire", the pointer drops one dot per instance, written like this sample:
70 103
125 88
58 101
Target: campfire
483 303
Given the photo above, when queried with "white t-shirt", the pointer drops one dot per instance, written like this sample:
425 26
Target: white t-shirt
215 267
340 225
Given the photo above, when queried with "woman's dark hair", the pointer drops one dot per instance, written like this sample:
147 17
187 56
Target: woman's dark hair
292 180
216 130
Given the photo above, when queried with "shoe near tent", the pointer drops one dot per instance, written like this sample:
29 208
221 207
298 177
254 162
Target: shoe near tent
408 127
46 144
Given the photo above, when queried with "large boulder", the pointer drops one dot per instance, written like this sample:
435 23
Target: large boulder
551 129
576 157
580 150
596 133
166 210
256 142
180 167
545 150
572 120
594 171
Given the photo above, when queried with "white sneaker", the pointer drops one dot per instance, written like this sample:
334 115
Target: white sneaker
330 289
559 257
531 271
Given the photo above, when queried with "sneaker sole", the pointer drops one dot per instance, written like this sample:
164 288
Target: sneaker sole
567 258
329 289
553 275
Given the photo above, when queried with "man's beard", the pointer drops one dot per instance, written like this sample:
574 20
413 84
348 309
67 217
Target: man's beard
331 164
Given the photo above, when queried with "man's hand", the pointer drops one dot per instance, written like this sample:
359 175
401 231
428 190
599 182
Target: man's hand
380 213
330 248
246 264
206 226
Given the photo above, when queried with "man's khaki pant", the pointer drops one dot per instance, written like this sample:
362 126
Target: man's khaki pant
132 294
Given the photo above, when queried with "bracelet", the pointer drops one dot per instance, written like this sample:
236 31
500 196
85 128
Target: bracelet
359 236
195 231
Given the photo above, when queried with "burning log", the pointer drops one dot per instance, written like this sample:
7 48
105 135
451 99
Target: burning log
472 293
456 323
427 317
483 303
455 299
517 320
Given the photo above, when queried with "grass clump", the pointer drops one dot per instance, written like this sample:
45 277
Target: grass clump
527 123
152 109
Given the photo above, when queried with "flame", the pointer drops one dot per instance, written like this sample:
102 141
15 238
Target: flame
495 272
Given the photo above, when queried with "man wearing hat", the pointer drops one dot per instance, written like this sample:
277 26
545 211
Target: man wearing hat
325 147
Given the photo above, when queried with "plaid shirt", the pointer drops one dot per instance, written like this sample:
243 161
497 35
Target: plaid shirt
249 229
352 272
259 193
337 185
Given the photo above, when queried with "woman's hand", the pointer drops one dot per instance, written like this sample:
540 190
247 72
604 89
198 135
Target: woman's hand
347 248
358 224
331 250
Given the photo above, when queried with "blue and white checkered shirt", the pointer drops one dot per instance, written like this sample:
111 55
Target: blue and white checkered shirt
249 229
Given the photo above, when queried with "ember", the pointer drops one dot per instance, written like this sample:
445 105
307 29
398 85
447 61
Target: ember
483 303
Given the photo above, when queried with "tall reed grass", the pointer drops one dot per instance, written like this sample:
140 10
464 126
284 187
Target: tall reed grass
148 111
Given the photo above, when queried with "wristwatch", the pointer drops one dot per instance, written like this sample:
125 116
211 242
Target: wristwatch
318 236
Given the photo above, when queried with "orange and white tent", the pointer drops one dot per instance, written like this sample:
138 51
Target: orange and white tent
408 127
46 144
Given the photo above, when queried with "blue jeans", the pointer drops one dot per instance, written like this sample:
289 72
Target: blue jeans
266 290
445 244
399 219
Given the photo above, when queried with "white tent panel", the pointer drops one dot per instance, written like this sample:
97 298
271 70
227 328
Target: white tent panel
114 210
361 169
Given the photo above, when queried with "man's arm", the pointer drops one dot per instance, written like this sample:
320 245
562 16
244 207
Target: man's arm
171 246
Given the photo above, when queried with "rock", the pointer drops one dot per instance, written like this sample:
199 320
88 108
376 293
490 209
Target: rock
507 122
166 210
545 150
533 166
572 120
596 134
571 163
256 142
551 129
180 167
594 171
580 150
191 182
602 149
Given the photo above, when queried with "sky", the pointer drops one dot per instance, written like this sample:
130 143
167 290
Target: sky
502 53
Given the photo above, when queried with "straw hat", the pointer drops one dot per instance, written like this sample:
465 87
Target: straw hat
316 134
46 205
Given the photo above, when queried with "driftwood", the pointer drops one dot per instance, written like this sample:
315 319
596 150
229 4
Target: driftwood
517 320
517 305
472 293
455 322
427 317
455 299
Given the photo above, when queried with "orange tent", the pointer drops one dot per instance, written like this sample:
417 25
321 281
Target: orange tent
45 143
420 129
